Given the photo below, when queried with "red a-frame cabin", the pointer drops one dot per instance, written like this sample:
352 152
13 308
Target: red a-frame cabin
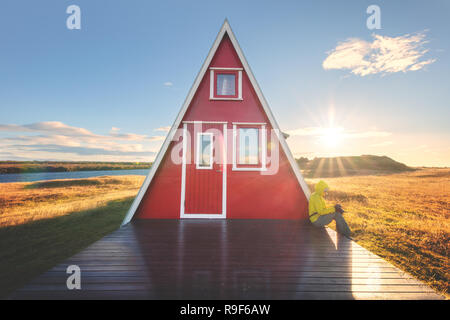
224 156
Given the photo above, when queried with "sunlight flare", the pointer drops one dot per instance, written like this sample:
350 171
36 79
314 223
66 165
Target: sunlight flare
332 137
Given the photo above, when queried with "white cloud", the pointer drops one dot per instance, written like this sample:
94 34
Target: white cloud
47 126
383 55
321 131
56 140
367 134
308 131
126 136
168 84
382 144
165 129
156 138
59 128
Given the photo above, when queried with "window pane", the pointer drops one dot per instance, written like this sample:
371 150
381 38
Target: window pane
205 150
226 84
248 146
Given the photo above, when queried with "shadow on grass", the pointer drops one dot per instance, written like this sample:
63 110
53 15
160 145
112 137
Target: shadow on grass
32 248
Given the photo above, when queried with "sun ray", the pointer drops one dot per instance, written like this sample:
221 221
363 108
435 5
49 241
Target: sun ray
351 164
330 167
341 168
318 171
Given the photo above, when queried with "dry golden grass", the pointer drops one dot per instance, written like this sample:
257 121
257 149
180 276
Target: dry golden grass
30 249
404 218
30 201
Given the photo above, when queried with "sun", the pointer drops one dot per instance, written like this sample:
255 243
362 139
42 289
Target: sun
332 137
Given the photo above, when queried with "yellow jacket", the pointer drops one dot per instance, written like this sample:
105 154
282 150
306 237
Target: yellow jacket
317 203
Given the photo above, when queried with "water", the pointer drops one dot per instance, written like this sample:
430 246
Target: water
38 176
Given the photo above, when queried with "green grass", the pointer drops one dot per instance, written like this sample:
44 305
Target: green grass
403 218
30 249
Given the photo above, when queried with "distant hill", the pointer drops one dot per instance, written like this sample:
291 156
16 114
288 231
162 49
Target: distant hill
64 166
347 166
317 167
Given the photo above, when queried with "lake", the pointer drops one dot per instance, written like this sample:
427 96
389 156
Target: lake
38 176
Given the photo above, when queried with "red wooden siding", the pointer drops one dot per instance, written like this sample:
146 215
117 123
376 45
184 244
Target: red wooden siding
204 186
249 193
162 198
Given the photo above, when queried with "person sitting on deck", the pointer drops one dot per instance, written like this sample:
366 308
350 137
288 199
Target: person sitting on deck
321 215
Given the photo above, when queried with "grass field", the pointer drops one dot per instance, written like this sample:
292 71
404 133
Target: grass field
43 223
404 218
30 249
23 202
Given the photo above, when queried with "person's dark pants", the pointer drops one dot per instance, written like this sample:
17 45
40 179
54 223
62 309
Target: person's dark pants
341 224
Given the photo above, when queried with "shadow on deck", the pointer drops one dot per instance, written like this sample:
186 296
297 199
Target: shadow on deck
226 259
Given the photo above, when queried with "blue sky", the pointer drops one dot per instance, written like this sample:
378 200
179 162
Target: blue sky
107 91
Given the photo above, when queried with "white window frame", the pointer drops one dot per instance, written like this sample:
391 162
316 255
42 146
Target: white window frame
241 159
262 125
213 71
197 158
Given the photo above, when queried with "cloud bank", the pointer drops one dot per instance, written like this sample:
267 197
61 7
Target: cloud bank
164 129
383 55
321 131
54 140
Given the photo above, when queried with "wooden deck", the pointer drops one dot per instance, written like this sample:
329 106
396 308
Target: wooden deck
226 259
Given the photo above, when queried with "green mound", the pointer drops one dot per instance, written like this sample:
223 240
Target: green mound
347 166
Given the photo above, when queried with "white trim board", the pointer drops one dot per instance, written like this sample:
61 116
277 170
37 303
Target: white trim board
225 68
224 29
250 123
201 122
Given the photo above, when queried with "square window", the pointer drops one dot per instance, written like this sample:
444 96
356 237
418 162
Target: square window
226 84
248 146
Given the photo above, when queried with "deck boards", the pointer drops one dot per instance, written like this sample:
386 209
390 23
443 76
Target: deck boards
226 259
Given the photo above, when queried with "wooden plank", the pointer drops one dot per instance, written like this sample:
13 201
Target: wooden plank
272 287
274 274
61 279
156 262
142 295
215 260
278 268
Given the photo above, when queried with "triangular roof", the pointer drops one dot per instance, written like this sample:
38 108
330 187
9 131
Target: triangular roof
225 29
